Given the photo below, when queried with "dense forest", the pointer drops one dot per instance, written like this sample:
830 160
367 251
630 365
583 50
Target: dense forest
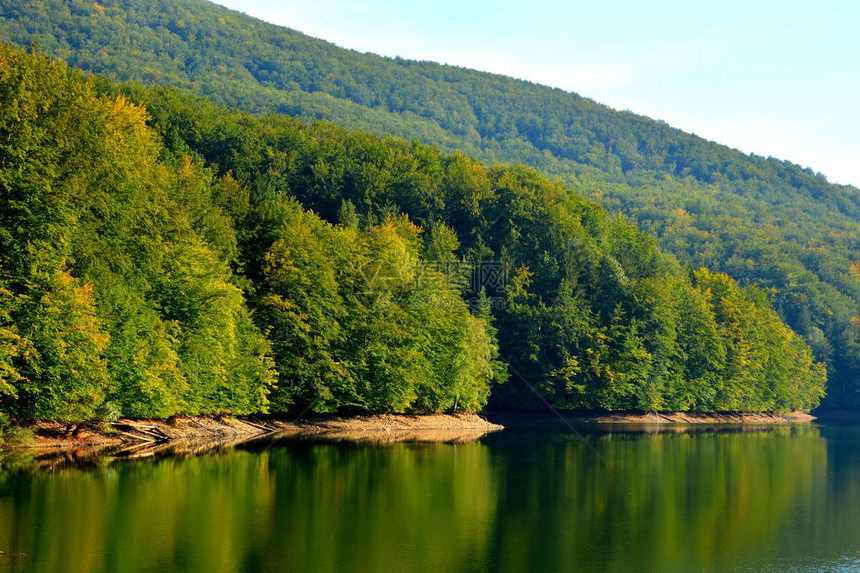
765 222
162 255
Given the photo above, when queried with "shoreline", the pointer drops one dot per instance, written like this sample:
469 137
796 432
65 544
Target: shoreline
218 430
200 431
745 418
666 419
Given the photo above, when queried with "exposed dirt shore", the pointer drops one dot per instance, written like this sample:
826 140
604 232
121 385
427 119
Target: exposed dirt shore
197 433
700 418
679 419
201 429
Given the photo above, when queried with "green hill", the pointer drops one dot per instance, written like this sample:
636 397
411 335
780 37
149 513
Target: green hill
765 222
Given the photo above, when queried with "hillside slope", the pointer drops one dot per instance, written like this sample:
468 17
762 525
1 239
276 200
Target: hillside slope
764 221
136 281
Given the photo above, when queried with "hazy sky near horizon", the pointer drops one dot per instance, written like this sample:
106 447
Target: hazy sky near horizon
776 78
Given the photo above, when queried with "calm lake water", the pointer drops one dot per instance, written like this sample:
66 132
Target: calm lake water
526 499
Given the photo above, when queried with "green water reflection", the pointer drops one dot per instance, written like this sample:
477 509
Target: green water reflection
522 500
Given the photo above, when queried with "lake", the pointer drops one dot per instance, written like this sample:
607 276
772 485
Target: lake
530 498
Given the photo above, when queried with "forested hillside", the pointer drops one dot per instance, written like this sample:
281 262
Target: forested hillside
764 221
162 255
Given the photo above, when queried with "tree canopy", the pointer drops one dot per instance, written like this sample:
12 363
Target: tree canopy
164 255
765 222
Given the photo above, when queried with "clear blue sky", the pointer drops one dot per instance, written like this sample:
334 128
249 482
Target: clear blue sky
777 78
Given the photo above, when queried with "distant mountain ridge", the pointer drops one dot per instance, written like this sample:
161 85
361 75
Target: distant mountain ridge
764 221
